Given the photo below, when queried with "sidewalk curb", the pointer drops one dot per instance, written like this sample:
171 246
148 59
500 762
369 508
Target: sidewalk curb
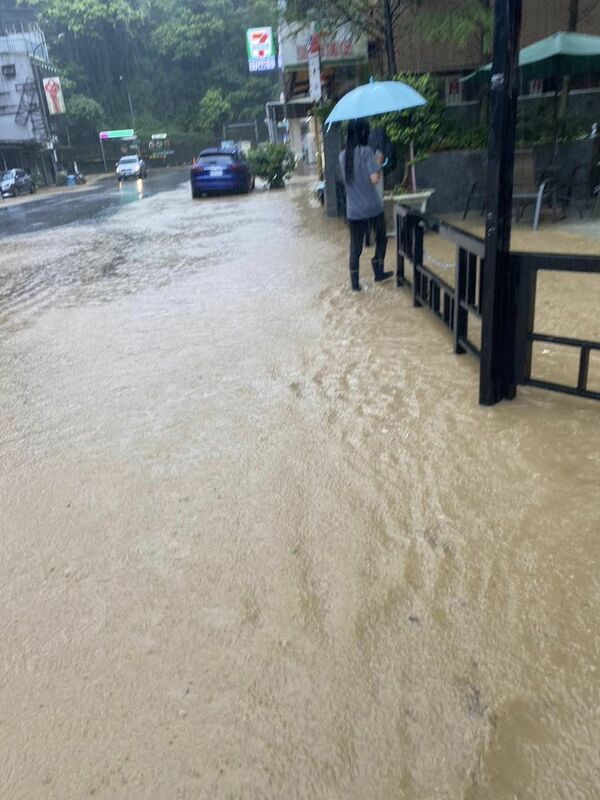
52 191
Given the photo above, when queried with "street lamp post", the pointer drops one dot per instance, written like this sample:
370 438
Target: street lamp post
122 78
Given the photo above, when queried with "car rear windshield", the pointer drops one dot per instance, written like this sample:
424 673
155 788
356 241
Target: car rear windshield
216 158
128 160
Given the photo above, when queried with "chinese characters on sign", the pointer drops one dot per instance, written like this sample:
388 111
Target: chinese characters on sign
335 46
54 96
160 146
261 49
331 49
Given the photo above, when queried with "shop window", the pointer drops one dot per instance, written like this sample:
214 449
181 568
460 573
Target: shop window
9 71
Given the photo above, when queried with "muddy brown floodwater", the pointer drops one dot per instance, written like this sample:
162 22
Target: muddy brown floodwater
260 541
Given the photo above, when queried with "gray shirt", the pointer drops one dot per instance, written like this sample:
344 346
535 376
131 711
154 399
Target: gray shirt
362 198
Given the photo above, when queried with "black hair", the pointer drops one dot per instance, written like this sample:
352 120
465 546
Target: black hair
358 135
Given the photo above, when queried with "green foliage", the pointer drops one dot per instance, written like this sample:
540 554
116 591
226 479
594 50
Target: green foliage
213 111
273 163
324 110
89 18
167 54
61 178
424 126
429 127
539 126
461 137
470 18
85 117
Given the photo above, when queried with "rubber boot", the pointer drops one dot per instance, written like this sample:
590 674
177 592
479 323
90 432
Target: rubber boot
356 287
380 273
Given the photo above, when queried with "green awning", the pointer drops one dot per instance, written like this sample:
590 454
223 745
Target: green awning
554 57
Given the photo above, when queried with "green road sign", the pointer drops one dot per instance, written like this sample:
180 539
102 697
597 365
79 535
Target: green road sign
129 133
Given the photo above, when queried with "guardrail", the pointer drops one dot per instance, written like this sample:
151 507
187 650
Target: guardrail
454 305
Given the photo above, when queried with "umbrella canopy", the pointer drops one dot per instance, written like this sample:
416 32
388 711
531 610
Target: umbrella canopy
376 97
554 57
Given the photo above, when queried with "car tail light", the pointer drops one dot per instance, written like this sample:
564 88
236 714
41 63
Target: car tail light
198 170
236 167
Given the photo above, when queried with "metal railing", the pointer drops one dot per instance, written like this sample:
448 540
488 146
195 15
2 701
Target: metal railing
528 265
454 305
450 304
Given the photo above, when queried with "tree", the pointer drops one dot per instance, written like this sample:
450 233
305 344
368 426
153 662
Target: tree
419 128
272 162
85 117
213 111
458 25
171 52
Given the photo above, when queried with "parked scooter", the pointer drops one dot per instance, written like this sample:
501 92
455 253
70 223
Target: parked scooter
79 176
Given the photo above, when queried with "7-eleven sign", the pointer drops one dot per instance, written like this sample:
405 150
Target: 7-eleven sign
261 49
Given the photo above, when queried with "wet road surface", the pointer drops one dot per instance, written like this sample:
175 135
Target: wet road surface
258 539
76 205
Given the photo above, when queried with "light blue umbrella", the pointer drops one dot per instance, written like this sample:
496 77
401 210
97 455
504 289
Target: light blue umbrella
376 97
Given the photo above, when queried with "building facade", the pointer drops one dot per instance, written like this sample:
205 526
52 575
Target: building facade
27 132
541 18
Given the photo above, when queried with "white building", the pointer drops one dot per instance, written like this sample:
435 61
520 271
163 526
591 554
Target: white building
27 139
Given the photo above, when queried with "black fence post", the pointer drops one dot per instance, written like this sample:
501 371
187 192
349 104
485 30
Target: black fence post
461 315
417 252
399 246
497 373
527 284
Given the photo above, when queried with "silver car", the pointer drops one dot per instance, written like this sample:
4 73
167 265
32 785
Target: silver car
131 167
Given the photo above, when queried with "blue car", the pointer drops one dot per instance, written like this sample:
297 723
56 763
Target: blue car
221 170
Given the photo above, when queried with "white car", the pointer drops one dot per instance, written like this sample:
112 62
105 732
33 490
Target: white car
131 167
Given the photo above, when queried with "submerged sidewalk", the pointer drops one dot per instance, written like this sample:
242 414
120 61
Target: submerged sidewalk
259 540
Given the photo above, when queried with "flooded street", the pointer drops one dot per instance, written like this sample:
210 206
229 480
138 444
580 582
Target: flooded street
259 542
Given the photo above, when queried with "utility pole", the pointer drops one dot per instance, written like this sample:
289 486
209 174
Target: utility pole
122 78
497 370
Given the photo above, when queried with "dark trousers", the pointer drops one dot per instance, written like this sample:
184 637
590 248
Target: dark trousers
358 231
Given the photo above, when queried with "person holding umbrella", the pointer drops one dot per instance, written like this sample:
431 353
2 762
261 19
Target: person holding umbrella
361 173
359 167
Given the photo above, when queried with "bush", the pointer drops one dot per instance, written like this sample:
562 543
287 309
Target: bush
61 178
273 163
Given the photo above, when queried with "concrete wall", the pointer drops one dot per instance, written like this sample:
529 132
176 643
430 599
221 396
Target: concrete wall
452 173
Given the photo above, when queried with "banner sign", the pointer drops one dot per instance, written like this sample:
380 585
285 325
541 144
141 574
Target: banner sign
54 95
261 49
128 133
314 68
340 46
